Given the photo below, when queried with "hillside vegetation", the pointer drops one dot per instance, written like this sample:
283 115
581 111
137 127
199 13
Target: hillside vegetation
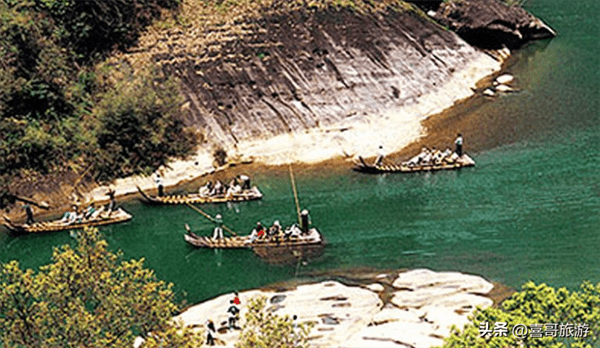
80 97
57 116
93 90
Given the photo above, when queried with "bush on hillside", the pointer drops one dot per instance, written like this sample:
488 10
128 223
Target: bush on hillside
541 308
140 127
263 328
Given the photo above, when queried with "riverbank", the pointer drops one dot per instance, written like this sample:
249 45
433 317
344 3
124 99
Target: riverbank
355 135
399 308
396 130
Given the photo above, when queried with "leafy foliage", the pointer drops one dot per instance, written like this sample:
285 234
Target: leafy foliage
49 88
92 27
267 330
139 126
36 93
536 304
88 297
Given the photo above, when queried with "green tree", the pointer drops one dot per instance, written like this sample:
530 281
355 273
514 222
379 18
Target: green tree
140 126
87 297
534 305
48 88
263 329
94 27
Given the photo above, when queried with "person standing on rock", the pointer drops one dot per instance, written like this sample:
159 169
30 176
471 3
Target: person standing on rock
218 233
459 145
210 333
233 311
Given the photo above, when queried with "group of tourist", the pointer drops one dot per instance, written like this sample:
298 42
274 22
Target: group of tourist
75 215
273 233
276 233
90 212
235 186
233 312
431 156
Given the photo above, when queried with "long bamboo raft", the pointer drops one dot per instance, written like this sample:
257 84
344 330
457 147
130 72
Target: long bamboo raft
116 216
362 166
246 195
313 237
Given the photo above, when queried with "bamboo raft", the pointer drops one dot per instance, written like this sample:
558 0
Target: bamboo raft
243 242
102 219
362 166
246 195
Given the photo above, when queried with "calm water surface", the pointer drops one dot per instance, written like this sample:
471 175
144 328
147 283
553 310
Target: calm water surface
530 209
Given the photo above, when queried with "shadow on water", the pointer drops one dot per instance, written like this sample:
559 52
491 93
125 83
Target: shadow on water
289 255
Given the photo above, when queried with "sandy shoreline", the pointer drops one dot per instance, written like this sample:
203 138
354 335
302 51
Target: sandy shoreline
356 135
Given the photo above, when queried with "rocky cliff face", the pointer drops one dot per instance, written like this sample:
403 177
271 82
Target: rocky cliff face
298 70
491 24
289 70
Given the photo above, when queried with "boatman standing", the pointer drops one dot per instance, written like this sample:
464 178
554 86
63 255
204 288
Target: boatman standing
29 213
245 179
459 145
380 156
218 233
112 204
304 221
159 183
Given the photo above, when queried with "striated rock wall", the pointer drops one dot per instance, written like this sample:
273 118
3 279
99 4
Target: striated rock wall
293 71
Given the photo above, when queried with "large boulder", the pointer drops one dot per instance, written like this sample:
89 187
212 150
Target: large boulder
491 24
422 308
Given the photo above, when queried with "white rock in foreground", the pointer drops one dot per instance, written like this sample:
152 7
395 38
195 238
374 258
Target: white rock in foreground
503 88
504 79
422 310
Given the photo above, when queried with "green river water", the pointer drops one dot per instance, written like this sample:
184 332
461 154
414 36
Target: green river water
529 210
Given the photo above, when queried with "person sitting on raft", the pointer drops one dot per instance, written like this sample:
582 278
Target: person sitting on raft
71 217
275 230
204 191
418 159
90 211
234 188
436 156
245 179
257 233
218 189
